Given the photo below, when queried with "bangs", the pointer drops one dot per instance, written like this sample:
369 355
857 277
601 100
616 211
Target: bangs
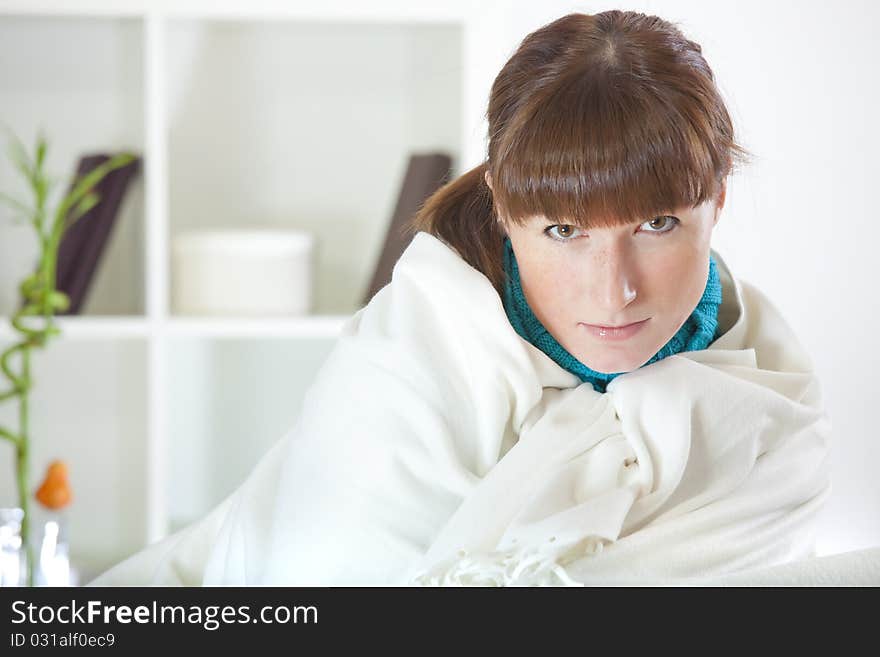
607 150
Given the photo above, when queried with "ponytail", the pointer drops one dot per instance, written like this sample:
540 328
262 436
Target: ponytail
462 215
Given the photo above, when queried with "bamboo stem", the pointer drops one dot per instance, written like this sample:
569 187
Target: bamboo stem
23 467
41 299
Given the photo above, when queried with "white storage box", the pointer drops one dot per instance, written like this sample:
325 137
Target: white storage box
242 272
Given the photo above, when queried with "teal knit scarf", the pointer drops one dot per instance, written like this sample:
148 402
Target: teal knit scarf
698 331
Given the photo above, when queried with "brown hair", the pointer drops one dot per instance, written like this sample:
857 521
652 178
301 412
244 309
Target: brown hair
596 120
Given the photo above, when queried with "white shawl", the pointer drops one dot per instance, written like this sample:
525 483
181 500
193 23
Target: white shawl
436 446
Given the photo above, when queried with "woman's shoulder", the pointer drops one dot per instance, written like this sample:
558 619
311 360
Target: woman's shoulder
749 319
432 288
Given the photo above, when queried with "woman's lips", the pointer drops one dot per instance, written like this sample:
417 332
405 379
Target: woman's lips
612 333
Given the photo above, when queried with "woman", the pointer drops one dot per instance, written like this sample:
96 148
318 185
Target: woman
563 383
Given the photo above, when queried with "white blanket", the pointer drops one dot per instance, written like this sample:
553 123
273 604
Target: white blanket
436 446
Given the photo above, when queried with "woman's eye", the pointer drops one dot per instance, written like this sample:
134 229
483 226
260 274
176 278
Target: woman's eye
658 225
667 223
561 232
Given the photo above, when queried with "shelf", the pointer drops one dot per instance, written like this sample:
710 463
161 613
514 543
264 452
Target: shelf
113 328
328 326
377 10
87 328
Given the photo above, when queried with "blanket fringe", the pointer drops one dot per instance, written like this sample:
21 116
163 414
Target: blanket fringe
541 566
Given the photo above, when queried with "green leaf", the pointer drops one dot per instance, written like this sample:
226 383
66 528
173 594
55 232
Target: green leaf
15 203
88 201
85 184
42 147
20 159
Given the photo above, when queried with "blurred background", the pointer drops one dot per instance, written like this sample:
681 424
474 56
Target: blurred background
291 133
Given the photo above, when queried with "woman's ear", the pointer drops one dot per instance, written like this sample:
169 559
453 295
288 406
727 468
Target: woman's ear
719 205
501 226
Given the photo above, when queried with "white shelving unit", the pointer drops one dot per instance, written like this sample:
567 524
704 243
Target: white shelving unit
277 114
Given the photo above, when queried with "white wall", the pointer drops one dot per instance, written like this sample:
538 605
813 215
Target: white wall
802 87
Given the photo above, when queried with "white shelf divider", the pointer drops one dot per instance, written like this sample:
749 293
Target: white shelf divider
89 328
336 10
317 326
157 275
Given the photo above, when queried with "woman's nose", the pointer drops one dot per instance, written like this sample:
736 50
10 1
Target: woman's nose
614 285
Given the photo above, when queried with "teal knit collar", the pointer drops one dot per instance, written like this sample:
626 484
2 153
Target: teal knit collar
698 331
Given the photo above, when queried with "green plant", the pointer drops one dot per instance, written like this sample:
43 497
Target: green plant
41 299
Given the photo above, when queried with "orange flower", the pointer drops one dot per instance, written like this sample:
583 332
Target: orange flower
54 492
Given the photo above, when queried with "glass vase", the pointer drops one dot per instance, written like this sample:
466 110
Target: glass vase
12 558
49 548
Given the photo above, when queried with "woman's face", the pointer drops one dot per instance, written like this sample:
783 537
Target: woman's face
653 272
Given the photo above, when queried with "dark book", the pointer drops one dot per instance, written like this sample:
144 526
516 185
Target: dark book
84 243
425 174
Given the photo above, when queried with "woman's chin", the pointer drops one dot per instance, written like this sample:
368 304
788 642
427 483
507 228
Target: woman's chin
613 365
615 356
